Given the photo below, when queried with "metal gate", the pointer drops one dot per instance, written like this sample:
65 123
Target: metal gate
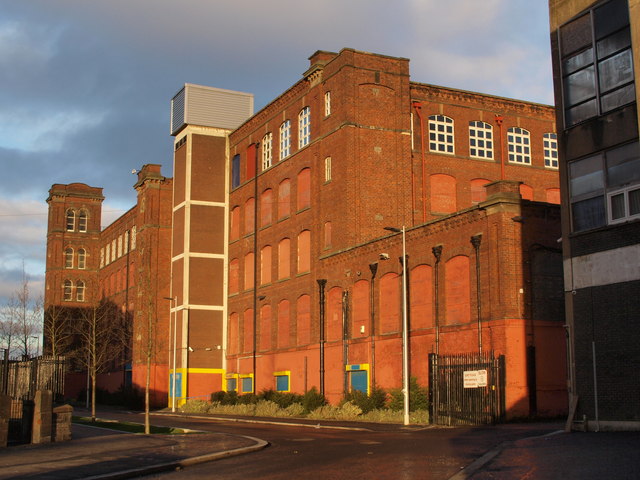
466 389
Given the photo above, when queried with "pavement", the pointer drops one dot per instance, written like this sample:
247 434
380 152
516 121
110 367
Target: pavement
96 453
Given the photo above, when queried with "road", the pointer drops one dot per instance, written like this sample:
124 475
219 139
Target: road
325 453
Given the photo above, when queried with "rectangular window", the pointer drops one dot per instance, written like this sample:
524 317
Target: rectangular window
327 169
519 144
480 140
304 127
266 151
596 61
246 383
251 161
327 104
235 171
283 381
232 383
441 134
285 139
550 147
605 188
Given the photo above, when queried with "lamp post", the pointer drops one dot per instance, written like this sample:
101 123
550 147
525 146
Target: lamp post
405 325
37 344
173 354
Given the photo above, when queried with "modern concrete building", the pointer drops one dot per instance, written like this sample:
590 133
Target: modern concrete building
595 47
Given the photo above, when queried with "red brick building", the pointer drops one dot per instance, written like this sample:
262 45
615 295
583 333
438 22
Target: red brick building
283 275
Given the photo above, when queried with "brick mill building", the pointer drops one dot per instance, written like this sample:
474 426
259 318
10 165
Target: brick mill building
287 236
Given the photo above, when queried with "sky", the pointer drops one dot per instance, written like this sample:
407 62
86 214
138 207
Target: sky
86 85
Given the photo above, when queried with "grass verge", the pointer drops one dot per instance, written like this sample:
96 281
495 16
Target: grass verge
128 427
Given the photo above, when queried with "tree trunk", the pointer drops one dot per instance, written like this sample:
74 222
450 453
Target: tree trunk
147 427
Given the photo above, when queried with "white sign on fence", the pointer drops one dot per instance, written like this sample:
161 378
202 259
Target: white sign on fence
475 378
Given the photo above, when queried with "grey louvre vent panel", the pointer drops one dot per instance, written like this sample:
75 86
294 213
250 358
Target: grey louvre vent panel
209 107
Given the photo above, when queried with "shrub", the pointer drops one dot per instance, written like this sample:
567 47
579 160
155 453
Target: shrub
266 408
418 397
196 406
224 398
312 400
377 399
294 410
247 399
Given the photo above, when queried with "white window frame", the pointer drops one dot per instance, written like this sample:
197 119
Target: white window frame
113 250
67 291
550 147
327 103
441 134
68 258
267 150
627 216
519 145
82 258
83 219
285 139
304 127
70 219
482 134
80 291
327 169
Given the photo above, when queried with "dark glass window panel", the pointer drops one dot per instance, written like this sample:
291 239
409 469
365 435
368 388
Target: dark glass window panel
615 71
579 86
617 41
617 206
586 175
617 98
610 17
235 171
575 35
588 214
623 165
581 112
578 61
634 202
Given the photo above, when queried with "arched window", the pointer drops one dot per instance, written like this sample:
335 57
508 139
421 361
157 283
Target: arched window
267 151
67 291
249 215
284 199
247 344
421 294
284 259
480 140
234 233
80 291
68 257
389 303
232 346
71 220
526 191
334 314
303 319
82 258
266 207
265 265
443 193
304 251
304 189
519 145
234 276
265 327
478 192
248 271
283 323
361 318
285 139
457 290
441 134
304 127
82 221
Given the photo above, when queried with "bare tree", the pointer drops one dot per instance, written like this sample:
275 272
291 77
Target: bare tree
22 320
102 334
8 327
57 331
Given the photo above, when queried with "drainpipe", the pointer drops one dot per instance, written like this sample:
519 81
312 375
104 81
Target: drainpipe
321 284
255 268
437 252
499 120
475 241
418 106
345 339
374 269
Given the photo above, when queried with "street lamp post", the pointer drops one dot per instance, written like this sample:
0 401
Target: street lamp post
405 325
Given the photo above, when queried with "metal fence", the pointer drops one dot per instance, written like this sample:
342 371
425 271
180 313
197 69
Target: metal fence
20 379
466 389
